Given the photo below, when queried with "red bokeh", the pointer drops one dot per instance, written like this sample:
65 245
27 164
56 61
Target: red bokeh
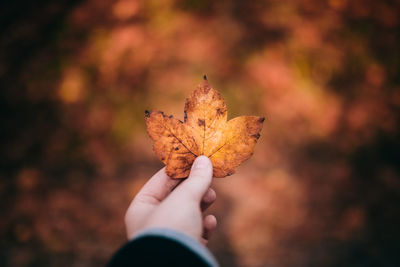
323 185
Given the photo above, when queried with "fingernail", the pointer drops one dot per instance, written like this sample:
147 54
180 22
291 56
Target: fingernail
201 162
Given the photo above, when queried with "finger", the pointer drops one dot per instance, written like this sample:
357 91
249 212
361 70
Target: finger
199 180
209 225
208 199
157 188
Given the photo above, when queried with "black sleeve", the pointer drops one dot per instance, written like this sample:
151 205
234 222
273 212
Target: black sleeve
154 249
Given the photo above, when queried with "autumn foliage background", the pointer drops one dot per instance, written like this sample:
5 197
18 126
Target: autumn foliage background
323 186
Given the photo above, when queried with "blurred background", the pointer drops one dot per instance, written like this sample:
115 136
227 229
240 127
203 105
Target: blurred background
323 186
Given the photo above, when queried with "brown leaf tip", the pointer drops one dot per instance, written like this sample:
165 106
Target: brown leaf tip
205 77
147 113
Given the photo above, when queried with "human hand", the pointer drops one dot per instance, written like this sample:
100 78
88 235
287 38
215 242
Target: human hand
164 202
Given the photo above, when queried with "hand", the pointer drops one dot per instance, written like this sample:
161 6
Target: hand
164 202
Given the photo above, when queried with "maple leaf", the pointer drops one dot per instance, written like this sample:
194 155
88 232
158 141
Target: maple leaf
205 131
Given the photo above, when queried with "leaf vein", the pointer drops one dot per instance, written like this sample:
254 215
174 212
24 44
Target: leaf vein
179 140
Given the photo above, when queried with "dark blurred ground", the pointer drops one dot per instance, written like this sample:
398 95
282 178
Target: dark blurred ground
323 186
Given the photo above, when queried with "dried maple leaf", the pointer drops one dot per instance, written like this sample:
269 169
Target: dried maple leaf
205 131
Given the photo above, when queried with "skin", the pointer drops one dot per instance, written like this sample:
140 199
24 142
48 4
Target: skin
179 205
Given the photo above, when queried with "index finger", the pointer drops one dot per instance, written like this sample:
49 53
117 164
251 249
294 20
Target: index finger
157 188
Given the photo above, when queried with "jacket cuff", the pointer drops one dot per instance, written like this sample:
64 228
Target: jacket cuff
186 241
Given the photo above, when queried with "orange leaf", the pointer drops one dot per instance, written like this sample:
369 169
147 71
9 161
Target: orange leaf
205 131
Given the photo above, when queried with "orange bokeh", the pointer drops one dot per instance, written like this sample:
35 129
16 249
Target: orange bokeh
322 187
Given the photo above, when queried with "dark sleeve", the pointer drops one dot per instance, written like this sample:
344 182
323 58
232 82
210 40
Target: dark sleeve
162 247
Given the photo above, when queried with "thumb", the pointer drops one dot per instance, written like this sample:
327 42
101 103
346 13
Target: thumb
199 180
